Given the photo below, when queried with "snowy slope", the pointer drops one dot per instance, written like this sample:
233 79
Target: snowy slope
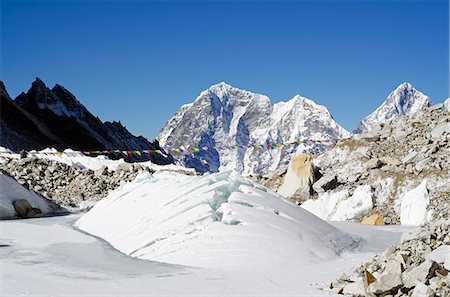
11 190
217 221
226 116
405 99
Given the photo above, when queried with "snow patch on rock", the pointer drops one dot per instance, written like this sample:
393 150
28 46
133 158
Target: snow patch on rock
340 206
414 206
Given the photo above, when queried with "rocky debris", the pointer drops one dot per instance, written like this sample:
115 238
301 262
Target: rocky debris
414 268
394 158
299 178
24 209
374 220
66 185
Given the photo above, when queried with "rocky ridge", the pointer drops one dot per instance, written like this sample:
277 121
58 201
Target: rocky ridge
53 117
69 186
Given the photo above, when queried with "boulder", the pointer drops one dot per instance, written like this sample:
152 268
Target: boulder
387 283
439 131
23 208
441 255
368 279
393 267
325 183
390 161
420 274
422 290
373 220
373 163
355 288
400 134
299 176
409 157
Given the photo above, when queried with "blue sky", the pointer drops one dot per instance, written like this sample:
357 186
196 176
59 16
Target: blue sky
139 61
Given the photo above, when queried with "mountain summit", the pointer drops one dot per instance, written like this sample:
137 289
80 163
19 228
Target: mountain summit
45 117
404 100
223 115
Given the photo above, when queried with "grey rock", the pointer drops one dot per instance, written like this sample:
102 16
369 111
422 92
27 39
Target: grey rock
438 132
441 255
422 290
421 165
325 183
409 157
387 283
355 288
420 274
373 164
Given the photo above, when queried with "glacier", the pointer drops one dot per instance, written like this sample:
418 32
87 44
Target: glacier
218 220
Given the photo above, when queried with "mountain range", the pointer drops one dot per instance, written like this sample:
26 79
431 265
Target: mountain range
44 117
220 118
224 116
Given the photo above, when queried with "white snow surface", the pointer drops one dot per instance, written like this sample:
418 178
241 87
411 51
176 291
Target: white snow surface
215 221
47 257
340 206
75 159
10 191
404 100
414 204
224 115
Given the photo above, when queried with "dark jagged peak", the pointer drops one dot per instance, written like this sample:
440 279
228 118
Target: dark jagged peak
69 100
2 86
3 91
38 94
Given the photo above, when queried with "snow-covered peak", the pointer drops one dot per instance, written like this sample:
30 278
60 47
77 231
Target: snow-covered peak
224 115
405 99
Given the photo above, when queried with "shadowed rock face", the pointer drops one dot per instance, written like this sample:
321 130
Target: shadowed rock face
45 117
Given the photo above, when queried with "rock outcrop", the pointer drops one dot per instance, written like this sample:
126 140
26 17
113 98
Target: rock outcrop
299 178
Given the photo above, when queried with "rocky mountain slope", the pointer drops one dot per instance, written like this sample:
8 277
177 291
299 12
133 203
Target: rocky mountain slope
224 116
45 117
399 160
404 100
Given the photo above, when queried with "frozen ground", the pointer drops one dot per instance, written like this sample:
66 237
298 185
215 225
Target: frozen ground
48 257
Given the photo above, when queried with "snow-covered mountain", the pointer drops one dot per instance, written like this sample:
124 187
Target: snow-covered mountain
45 117
405 99
224 116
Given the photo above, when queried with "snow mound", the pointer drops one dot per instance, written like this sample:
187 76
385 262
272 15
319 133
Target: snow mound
11 190
340 206
414 204
218 221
